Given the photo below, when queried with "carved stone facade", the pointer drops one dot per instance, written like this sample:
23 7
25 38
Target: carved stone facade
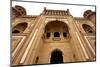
54 36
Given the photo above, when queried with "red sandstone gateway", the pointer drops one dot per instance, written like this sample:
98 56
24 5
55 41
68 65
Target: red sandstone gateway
53 36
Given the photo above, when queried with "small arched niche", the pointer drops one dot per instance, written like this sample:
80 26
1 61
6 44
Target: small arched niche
87 28
37 59
56 57
20 28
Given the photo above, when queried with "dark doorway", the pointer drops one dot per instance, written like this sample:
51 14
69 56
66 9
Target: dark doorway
56 57
56 34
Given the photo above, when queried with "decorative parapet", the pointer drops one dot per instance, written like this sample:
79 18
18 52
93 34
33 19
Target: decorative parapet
55 12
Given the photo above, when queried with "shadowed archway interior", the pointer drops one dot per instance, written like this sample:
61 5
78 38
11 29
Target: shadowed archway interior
87 28
56 26
20 28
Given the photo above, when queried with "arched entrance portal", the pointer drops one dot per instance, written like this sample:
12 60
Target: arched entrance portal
56 57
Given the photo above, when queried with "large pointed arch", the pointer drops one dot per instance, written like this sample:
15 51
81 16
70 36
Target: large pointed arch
56 27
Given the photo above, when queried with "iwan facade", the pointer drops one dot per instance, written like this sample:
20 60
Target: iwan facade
54 36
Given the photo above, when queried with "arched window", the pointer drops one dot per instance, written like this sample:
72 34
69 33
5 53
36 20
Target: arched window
56 34
64 34
48 35
87 28
19 28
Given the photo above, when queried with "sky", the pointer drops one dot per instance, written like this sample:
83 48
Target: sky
37 8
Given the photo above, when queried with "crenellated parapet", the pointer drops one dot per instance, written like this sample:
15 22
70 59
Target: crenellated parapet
55 12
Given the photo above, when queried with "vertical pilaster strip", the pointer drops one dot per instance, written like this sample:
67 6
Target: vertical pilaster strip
28 47
90 46
81 44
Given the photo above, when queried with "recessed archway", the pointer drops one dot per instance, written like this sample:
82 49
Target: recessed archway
56 28
56 57
87 28
19 28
